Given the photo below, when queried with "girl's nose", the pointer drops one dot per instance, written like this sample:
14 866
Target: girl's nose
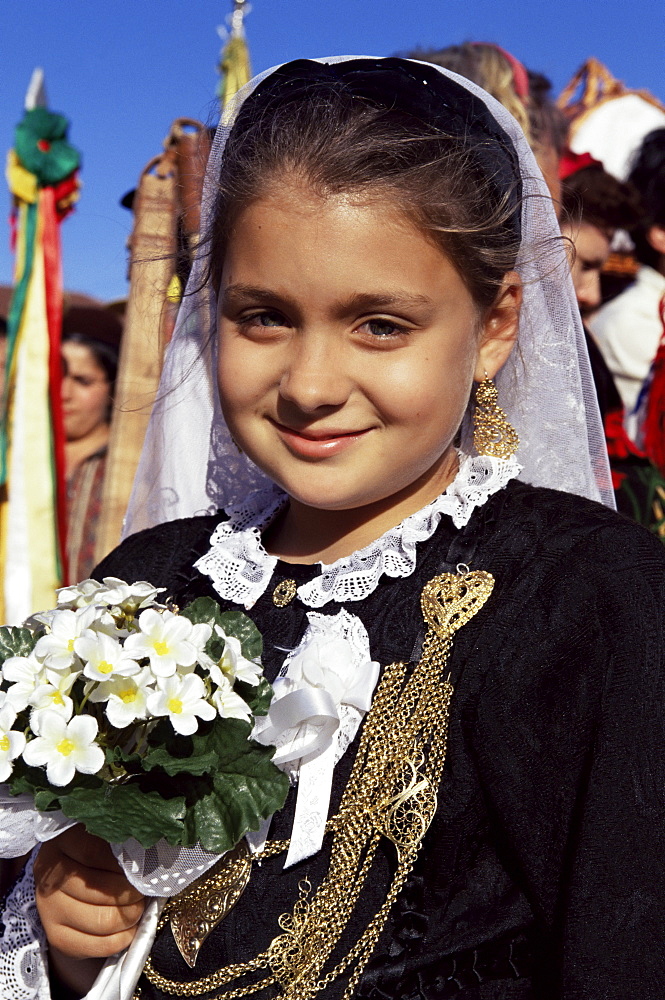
315 376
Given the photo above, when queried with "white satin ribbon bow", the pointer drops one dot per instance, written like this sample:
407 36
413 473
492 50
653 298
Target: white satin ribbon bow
324 690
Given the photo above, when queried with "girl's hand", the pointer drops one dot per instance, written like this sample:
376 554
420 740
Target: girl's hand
86 905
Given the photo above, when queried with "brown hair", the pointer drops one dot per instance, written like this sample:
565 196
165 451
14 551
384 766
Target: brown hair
594 196
451 184
647 174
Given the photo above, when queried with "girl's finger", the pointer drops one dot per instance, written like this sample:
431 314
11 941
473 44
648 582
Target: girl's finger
77 944
61 914
82 847
89 885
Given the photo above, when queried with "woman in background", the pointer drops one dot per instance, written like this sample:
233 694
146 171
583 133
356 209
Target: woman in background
88 377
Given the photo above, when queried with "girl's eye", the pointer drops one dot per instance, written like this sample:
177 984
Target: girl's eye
383 329
265 319
84 381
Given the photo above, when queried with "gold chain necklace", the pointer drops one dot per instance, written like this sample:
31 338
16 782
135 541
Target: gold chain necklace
391 793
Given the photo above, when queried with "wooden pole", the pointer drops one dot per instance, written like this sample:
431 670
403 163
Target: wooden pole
152 255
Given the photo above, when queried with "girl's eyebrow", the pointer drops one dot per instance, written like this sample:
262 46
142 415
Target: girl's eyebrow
237 294
379 301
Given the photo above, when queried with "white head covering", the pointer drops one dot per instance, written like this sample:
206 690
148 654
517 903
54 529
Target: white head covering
190 465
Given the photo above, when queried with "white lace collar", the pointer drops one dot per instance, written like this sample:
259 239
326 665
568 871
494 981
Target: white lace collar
241 569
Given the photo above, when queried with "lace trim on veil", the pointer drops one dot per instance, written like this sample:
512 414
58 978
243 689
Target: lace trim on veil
240 568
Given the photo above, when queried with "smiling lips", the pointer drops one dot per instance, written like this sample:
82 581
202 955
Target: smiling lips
318 443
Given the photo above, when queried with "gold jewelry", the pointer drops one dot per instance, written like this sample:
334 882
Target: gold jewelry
284 593
392 793
492 433
197 910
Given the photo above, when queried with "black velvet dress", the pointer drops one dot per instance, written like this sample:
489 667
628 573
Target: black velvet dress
543 872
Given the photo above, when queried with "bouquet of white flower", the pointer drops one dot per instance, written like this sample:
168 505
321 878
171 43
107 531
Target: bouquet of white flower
134 718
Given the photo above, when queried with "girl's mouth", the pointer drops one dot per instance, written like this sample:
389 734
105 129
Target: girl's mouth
318 443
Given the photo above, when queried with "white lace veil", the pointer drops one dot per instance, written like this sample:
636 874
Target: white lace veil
190 465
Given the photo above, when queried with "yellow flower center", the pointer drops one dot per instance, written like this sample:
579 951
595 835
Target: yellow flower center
105 667
65 747
70 646
161 647
175 706
226 666
4 744
57 699
127 694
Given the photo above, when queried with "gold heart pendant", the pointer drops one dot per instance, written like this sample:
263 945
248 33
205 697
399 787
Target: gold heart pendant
449 601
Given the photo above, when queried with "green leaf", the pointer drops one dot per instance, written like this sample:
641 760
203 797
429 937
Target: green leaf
117 812
33 781
258 698
16 641
237 624
116 757
28 780
47 800
203 609
173 762
244 789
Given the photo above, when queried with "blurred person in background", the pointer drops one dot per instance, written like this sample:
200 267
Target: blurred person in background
595 205
89 372
628 329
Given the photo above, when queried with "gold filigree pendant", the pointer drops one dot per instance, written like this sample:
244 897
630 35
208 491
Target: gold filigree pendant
197 910
284 593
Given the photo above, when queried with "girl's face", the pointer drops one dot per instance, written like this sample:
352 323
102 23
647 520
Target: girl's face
86 393
348 344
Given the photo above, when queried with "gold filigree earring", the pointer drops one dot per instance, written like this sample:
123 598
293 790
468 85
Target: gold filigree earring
492 433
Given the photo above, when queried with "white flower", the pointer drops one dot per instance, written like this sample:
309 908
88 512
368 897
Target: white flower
233 664
11 742
64 747
182 699
80 595
129 597
28 673
229 704
54 694
170 641
126 697
40 620
57 648
105 622
103 657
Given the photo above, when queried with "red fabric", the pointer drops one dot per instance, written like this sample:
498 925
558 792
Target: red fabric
520 75
654 423
619 445
65 194
571 162
53 288
13 231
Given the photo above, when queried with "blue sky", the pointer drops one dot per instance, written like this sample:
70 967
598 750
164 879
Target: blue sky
123 70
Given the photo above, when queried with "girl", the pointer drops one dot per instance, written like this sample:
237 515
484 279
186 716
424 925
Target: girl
381 241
